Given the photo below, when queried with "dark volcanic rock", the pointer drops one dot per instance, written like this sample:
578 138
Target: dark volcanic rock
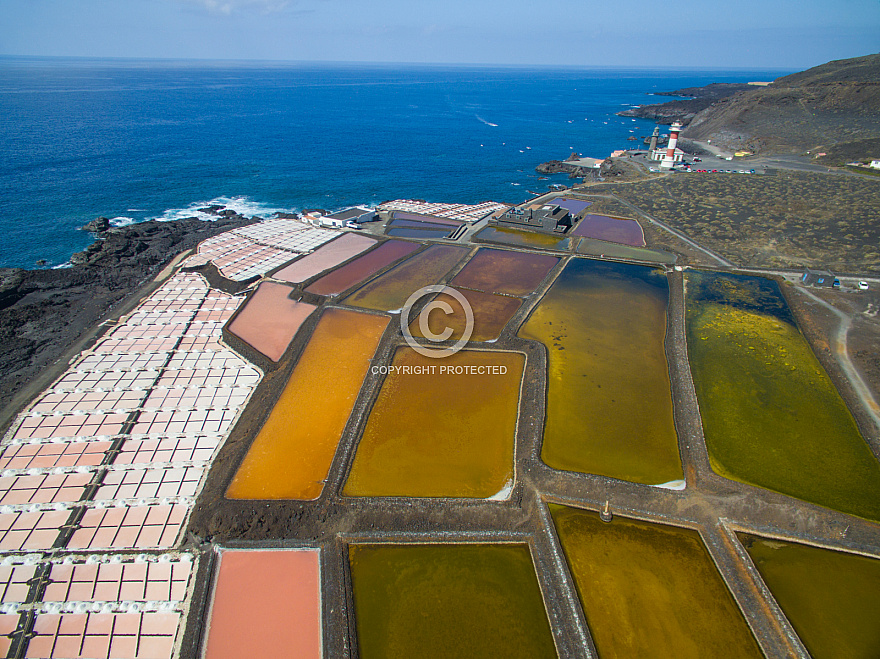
98 225
685 110
44 312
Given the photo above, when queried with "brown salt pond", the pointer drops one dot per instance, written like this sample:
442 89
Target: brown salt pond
448 600
503 271
270 319
325 257
612 229
491 314
390 291
441 434
650 590
362 268
265 604
609 401
291 455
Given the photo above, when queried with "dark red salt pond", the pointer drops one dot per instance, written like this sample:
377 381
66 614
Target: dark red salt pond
614 230
354 272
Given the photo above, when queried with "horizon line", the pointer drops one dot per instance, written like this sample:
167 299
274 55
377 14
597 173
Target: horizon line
379 63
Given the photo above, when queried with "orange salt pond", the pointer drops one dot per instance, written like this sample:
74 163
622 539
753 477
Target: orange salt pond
325 257
491 313
502 271
266 604
291 455
390 291
270 319
441 434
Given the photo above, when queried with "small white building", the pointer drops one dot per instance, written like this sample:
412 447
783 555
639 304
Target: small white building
659 154
875 164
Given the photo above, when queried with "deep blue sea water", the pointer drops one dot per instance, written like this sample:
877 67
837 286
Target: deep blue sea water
139 140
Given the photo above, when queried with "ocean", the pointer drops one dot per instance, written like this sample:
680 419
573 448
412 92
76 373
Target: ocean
137 140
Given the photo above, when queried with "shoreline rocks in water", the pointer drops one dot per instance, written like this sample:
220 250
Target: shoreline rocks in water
685 110
43 312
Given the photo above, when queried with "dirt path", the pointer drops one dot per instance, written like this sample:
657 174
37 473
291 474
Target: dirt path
840 350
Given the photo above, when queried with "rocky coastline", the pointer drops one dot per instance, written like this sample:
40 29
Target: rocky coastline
683 110
44 312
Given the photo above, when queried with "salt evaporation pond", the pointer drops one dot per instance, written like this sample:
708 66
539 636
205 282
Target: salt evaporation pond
504 271
448 600
389 292
270 319
418 234
362 268
291 455
436 434
592 247
831 598
266 603
325 257
650 590
491 313
616 230
609 404
521 238
771 415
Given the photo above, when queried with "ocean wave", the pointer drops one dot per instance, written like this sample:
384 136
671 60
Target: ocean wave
122 221
241 205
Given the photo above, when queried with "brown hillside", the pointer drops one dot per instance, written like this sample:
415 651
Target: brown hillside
832 104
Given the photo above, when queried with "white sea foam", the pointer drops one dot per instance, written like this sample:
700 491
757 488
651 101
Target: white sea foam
241 205
122 221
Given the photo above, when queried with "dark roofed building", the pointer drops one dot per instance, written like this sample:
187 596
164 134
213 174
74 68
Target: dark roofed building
820 278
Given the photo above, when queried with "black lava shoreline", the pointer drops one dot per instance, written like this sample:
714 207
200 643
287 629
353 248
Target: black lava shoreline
47 316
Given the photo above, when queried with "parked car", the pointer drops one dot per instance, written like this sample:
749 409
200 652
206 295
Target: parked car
351 224
698 160
863 285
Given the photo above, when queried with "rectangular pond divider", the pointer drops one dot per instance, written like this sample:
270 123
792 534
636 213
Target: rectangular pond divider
266 603
436 433
771 415
448 600
609 402
650 590
831 598
291 455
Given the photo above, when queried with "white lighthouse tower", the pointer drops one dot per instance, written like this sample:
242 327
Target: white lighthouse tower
669 159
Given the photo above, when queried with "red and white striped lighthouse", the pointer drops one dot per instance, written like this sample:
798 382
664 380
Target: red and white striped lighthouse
669 158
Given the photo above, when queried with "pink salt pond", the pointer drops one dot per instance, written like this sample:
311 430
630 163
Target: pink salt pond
362 267
611 229
266 603
325 257
270 319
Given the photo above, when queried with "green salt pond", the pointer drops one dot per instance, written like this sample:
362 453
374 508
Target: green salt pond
593 247
521 238
771 415
389 292
831 598
650 590
448 601
609 403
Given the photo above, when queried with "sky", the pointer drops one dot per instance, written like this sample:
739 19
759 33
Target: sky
771 34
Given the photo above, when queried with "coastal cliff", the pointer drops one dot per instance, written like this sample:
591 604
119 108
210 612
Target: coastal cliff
43 312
